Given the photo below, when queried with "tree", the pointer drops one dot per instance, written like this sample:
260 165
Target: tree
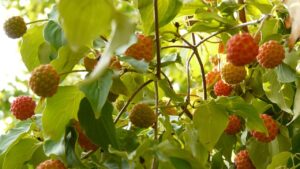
158 84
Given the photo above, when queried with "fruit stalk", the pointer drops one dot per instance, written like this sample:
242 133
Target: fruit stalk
264 17
242 16
130 99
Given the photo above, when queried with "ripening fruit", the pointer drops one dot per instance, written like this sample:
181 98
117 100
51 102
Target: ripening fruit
143 49
212 77
270 54
241 49
44 81
83 140
243 161
141 115
23 107
15 27
272 128
234 125
232 74
222 89
51 164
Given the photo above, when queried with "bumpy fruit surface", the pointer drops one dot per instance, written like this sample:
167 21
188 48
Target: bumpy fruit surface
51 164
142 116
232 74
270 54
83 140
241 49
23 107
271 126
15 27
212 77
243 161
222 89
143 49
44 81
234 125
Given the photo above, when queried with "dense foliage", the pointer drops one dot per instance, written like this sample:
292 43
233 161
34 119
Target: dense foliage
174 84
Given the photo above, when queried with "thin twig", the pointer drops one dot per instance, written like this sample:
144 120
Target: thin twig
158 64
202 73
176 46
73 71
41 20
156 109
183 107
188 78
130 99
234 27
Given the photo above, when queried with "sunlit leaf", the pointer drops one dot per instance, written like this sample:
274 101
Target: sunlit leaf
60 109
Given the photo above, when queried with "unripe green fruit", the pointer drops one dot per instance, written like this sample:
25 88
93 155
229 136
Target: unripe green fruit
142 116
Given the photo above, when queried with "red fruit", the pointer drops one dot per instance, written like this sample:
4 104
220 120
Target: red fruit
271 126
222 89
241 49
270 54
23 107
44 81
243 161
234 125
232 74
143 49
212 77
90 63
51 164
83 140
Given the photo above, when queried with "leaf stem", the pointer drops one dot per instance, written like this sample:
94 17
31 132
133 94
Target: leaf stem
41 20
73 71
130 99
156 21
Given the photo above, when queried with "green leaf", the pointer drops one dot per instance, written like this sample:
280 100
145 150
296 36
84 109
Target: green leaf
54 147
210 119
70 143
54 34
101 130
60 109
238 106
193 145
118 87
38 156
225 145
167 10
30 46
7 140
284 94
83 21
285 74
218 162
256 149
177 156
296 107
97 92
67 59
139 65
164 85
20 153
280 160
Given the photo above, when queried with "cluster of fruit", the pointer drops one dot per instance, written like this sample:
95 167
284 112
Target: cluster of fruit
242 49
